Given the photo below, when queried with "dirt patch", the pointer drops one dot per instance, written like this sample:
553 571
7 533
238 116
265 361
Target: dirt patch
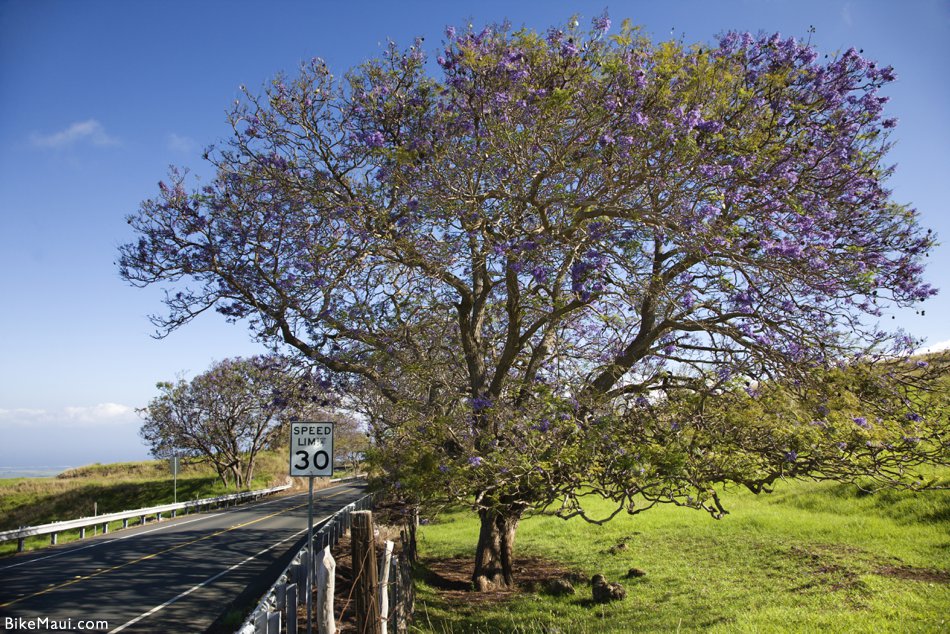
927 575
827 568
452 578
839 567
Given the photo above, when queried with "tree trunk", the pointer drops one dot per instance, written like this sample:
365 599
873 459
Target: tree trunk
222 474
496 545
249 470
236 475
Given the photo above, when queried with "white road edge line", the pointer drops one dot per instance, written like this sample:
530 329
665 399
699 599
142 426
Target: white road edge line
169 525
209 580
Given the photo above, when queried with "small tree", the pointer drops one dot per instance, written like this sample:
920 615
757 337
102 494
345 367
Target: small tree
227 414
553 269
350 442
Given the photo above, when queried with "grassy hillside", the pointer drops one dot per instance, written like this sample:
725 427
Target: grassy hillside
113 487
808 558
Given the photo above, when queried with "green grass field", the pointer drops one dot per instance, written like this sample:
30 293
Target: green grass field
807 558
112 488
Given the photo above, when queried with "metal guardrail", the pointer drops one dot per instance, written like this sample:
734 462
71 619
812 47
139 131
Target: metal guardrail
82 523
277 610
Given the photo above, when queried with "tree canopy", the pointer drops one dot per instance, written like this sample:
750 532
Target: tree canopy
565 261
229 413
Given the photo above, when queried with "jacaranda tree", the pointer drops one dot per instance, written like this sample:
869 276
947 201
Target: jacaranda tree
229 413
573 263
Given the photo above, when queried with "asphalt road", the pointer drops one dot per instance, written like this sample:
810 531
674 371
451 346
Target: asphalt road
180 575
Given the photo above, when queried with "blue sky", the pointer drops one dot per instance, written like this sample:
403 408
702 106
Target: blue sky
97 99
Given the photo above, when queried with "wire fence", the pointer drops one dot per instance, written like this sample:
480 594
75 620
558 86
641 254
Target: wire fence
381 593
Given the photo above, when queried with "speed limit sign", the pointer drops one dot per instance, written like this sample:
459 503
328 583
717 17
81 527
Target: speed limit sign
311 449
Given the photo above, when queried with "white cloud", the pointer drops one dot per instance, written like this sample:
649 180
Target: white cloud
100 414
935 347
90 131
183 144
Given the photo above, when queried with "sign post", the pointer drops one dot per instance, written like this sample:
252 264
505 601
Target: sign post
173 463
311 456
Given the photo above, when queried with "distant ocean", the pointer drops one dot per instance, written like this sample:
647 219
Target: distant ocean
31 472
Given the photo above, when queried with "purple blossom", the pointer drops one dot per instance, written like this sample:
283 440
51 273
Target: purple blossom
711 127
540 274
791 456
544 426
601 23
475 461
374 139
862 422
480 403
569 48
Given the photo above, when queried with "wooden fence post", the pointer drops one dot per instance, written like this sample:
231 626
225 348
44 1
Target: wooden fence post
326 586
365 577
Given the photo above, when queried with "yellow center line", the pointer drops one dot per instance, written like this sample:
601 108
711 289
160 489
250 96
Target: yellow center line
153 555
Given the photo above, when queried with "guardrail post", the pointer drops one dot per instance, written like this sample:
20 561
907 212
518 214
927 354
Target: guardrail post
20 545
52 539
260 624
291 608
105 528
280 597
82 533
125 523
302 571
